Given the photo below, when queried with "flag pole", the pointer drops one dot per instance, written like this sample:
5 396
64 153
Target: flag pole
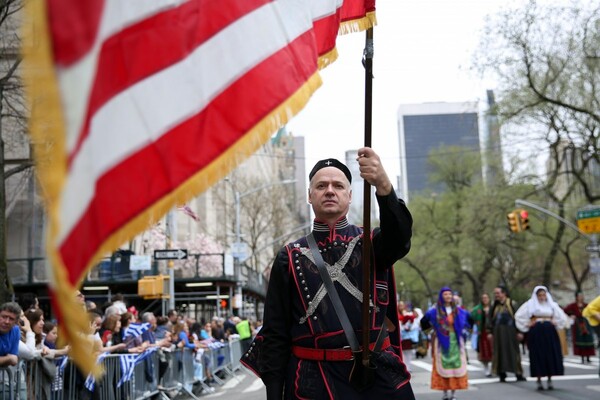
366 253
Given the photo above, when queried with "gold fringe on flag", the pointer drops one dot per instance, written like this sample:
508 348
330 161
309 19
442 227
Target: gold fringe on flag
47 132
246 145
328 58
358 25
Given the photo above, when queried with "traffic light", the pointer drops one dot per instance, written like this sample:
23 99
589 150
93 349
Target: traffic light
223 303
524 219
514 221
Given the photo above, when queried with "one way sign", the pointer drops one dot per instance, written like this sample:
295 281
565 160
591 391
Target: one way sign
171 254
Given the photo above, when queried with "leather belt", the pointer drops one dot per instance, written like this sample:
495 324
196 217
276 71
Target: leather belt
345 354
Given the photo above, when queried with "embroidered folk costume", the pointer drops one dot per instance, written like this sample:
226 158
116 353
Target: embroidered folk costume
505 354
541 316
449 371
479 315
582 334
302 351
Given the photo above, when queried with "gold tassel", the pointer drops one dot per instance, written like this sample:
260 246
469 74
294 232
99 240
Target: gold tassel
358 25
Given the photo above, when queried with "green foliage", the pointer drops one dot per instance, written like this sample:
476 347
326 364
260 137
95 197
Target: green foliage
461 238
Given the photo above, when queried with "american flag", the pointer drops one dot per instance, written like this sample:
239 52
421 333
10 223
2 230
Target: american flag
189 212
138 106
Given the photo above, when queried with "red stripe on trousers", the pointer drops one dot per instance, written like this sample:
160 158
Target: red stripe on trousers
138 182
73 27
154 44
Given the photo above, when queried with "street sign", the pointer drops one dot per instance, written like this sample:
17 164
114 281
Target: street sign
588 220
592 248
239 250
171 254
228 267
140 263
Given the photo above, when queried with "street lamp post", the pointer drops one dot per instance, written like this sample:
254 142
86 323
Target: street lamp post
239 248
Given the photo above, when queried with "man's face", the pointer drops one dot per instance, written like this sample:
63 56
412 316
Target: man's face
499 295
330 194
7 321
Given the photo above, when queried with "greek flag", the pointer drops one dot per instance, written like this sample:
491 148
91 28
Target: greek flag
134 330
62 364
90 382
128 363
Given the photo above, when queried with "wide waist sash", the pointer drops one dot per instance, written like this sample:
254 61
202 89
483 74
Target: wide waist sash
345 354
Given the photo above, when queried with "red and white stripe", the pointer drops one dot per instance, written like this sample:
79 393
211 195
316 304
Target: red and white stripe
154 91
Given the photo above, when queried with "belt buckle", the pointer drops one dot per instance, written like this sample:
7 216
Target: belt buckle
351 352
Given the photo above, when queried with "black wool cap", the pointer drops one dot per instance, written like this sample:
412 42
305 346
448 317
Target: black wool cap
330 162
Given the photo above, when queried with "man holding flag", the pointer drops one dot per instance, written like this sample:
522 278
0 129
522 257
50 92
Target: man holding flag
307 347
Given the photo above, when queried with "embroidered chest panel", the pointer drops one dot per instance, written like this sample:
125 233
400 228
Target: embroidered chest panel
312 309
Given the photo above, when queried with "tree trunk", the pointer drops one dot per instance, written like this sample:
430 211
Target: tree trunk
6 289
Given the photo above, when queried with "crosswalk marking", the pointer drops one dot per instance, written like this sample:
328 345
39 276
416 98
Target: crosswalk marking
234 382
421 364
580 366
256 385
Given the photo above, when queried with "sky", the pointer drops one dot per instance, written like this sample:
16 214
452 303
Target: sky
423 51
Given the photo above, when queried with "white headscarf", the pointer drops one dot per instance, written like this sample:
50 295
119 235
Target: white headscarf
534 305
533 308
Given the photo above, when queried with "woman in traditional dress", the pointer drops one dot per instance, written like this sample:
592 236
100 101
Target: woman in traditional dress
449 371
581 331
479 314
540 316
409 331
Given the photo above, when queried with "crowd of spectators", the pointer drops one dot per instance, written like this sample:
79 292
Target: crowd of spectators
26 335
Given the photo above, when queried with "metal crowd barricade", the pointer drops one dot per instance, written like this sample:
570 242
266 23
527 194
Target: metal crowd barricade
9 387
170 381
179 375
144 383
235 353
220 362
161 374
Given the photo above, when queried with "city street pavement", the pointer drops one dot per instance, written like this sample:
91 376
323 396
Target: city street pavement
581 382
